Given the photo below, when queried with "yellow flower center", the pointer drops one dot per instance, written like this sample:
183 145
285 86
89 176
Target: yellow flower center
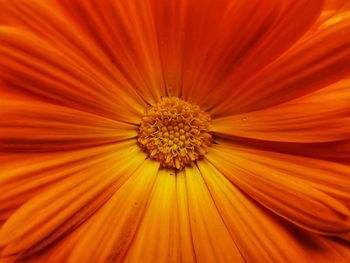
175 132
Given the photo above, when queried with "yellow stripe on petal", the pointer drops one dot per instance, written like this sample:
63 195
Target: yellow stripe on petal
260 236
211 239
164 234
67 204
25 175
113 228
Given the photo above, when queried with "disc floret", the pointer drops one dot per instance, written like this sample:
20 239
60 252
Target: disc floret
175 132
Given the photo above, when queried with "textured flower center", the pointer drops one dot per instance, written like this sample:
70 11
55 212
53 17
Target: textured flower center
175 132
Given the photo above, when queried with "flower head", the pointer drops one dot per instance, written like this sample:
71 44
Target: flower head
174 131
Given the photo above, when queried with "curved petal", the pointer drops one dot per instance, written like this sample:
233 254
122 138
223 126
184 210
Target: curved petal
312 64
113 228
336 4
258 234
321 116
164 234
333 11
48 21
25 175
335 151
212 241
32 126
307 192
60 251
36 67
65 205
226 44
125 32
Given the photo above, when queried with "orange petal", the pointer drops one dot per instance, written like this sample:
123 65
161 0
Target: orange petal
164 234
211 239
308 192
185 31
47 20
333 11
336 4
226 44
24 175
61 251
312 64
321 116
336 151
333 17
68 203
34 66
259 235
112 229
125 32
36 126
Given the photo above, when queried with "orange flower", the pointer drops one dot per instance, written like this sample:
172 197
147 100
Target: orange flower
174 131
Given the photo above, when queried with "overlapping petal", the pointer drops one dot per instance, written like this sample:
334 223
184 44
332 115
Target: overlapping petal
113 228
333 12
125 31
336 4
34 66
49 22
336 151
72 195
24 175
32 126
258 234
202 42
312 64
311 193
211 238
75 77
165 231
322 116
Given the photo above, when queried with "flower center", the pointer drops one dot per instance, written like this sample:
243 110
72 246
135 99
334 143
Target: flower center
175 132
